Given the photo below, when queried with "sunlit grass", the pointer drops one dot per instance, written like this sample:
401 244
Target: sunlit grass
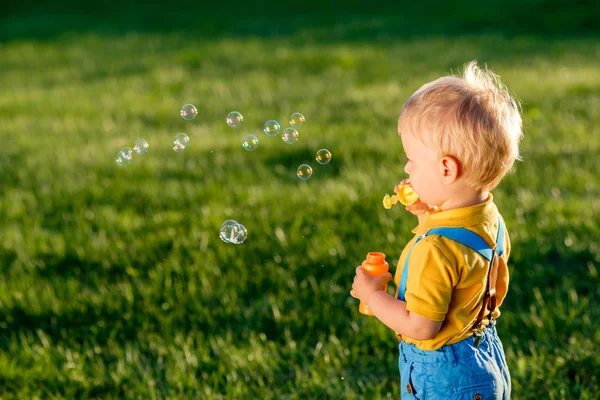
115 283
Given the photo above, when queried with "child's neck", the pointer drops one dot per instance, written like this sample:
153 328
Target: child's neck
466 198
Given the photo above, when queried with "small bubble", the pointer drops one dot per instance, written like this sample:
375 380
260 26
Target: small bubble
124 157
141 146
228 222
271 128
234 119
304 172
242 235
297 120
188 112
250 142
233 232
323 156
229 230
181 141
290 135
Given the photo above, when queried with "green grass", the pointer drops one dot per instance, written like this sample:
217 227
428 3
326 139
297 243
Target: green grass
115 284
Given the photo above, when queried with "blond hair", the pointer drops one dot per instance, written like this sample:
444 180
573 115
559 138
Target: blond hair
472 118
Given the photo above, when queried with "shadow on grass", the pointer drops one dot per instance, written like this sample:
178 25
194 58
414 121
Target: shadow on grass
323 21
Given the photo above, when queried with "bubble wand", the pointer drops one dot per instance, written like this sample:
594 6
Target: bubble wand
404 194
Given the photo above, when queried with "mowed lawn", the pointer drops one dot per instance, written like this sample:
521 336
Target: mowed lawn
114 282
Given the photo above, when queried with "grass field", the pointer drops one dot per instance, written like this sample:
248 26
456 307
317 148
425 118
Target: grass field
115 284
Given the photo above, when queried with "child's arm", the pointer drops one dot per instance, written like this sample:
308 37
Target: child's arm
389 310
393 313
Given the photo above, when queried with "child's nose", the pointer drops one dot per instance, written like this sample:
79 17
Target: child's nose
406 168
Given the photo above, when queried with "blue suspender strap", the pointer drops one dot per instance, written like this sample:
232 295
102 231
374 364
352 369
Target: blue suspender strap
500 237
460 235
404 278
466 237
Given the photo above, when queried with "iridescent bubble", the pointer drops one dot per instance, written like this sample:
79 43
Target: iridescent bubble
228 222
250 142
242 235
272 128
323 156
181 141
297 120
124 157
141 146
229 231
304 172
289 135
235 119
233 232
188 112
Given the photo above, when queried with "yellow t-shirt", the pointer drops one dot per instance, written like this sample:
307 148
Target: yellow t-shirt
446 279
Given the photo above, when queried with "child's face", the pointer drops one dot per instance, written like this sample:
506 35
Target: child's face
424 170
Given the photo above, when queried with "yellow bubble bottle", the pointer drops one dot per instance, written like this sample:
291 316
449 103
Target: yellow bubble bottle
373 265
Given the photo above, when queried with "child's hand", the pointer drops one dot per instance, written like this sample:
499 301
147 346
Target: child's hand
365 285
421 209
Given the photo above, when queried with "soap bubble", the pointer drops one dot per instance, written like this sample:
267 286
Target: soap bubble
304 172
323 156
272 128
234 119
229 231
233 232
188 112
181 141
141 146
228 222
297 120
250 142
242 234
290 135
124 157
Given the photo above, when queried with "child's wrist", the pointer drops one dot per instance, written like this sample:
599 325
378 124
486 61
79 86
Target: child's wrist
370 296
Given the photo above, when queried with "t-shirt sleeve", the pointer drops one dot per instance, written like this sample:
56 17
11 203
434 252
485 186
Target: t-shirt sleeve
431 279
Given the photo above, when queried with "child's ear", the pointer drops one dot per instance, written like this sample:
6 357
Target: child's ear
450 169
